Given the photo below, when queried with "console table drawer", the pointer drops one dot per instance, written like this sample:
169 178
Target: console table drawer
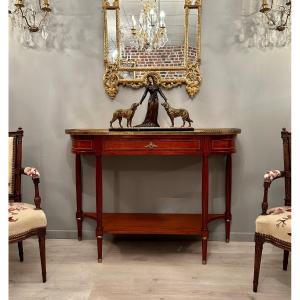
81 145
222 145
151 145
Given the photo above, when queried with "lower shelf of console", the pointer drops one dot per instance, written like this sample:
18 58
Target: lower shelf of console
145 223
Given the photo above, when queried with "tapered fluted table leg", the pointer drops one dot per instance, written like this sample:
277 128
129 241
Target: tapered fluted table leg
228 196
99 204
204 230
79 214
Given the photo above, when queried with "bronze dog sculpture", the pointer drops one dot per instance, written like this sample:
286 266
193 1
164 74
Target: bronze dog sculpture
174 113
124 113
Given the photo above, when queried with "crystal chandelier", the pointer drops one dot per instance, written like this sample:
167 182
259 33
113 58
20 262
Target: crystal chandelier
151 32
30 17
265 24
277 13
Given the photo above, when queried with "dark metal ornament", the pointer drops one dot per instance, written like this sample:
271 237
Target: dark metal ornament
153 104
177 112
124 113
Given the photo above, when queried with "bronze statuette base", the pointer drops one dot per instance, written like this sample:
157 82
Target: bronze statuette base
153 129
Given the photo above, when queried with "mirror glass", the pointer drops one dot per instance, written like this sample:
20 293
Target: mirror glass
111 36
152 34
192 35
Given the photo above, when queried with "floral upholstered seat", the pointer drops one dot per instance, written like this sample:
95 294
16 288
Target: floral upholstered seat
23 219
276 223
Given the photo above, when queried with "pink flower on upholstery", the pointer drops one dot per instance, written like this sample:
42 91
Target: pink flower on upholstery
279 210
271 175
32 172
282 221
14 209
276 211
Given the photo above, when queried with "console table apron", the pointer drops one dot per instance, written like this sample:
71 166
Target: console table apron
201 142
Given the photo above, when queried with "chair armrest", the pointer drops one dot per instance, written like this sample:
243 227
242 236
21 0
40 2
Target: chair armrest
35 175
31 171
269 177
272 175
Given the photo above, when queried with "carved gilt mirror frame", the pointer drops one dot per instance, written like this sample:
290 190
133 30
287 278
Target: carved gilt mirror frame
190 69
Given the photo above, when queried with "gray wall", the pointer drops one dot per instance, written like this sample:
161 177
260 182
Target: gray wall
61 87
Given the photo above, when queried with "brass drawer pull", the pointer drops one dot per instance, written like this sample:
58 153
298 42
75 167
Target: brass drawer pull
151 146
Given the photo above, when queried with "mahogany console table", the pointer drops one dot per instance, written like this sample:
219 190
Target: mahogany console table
201 142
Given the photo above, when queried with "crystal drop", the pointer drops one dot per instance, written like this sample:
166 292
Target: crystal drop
19 21
12 20
250 43
30 40
44 33
241 37
27 36
31 44
22 38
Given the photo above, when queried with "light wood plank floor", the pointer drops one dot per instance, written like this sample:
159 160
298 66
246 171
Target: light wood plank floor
146 270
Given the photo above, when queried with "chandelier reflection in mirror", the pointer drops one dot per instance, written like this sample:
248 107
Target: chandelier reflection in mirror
150 32
30 17
265 24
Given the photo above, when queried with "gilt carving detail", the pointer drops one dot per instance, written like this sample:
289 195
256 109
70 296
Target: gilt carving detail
111 80
193 79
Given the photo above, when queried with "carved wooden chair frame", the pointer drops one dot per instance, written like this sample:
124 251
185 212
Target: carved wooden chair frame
16 196
260 239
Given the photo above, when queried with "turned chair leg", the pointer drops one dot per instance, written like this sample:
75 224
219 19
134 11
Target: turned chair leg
42 237
20 247
259 242
285 259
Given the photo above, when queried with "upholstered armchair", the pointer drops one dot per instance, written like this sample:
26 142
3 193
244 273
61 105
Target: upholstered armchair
274 224
25 220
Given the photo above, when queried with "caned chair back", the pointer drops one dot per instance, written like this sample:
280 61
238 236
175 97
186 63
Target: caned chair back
14 165
286 138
